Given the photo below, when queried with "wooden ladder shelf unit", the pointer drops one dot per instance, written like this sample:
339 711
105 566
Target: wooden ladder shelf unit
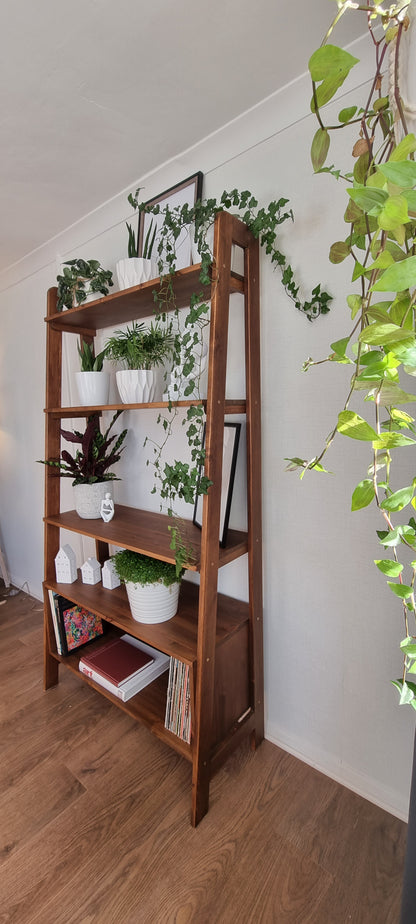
219 637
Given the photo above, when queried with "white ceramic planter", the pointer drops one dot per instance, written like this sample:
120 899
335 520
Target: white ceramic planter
88 498
93 388
136 386
152 603
134 270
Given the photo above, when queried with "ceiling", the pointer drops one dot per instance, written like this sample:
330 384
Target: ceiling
94 94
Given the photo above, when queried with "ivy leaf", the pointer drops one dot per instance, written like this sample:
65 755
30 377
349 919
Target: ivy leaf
401 173
398 500
389 567
362 495
408 646
331 65
320 148
351 424
398 277
401 590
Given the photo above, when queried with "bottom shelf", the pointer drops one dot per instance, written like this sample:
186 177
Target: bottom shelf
147 706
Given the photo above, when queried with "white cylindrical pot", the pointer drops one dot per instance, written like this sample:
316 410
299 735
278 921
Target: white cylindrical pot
134 270
153 603
93 388
88 498
136 386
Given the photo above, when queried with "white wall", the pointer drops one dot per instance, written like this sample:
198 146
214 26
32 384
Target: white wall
331 629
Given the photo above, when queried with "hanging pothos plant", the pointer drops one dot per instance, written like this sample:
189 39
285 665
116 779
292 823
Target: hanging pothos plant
182 480
380 347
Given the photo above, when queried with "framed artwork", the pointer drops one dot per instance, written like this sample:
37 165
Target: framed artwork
229 461
185 193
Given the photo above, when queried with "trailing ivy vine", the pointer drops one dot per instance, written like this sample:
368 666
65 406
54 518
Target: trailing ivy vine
380 345
183 480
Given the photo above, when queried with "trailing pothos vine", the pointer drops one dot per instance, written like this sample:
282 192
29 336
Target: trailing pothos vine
183 480
380 345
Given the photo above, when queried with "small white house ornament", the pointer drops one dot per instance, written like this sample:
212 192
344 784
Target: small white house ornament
66 565
107 508
108 574
91 571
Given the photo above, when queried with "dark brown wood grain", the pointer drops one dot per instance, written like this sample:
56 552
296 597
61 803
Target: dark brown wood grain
94 819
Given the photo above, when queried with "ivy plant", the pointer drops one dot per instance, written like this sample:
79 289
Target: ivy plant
80 278
379 343
179 480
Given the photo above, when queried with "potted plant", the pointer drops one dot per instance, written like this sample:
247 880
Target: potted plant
135 269
82 280
93 382
152 586
139 350
89 467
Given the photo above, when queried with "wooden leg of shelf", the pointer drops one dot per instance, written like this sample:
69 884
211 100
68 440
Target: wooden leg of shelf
200 793
51 671
256 738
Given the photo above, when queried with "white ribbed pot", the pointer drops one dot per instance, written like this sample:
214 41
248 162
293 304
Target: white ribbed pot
88 498
93 388
134 270
153 603
136 386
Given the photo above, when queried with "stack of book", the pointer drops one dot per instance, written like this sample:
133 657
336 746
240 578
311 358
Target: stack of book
178 701
73 625
124 666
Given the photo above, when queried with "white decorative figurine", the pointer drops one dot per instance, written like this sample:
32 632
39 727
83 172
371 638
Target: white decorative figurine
66 565
107 508
91 571
108 575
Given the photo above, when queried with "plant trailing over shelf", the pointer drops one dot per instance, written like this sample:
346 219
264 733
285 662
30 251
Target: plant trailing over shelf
79 279
141 569
97 454
140 347
181 480
380 344
89 362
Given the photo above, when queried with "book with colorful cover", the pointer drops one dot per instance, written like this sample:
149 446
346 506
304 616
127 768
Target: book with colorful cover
77 625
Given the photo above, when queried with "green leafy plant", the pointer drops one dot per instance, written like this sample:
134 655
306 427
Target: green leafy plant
80 278
97 453
133 242
379 345
179 480
141 569
140 347
89 362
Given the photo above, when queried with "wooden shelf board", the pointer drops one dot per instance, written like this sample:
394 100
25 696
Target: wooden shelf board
134 303
147 707
232 406
147 532
176 637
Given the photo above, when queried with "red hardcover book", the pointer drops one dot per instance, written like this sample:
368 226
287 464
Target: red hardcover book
117 661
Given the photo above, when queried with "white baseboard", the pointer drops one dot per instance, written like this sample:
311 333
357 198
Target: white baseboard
387 799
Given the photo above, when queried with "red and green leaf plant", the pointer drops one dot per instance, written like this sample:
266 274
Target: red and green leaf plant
97 454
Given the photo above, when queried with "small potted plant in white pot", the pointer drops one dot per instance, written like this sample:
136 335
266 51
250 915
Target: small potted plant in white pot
135 269
80 281
93 383
89 467
139 350
152 586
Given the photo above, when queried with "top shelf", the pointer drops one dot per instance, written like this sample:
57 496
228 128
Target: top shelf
135 303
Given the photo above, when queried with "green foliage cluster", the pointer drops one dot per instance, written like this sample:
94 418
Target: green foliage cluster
90 362
133 242
97 454
80 278
380 345
141 569
140 347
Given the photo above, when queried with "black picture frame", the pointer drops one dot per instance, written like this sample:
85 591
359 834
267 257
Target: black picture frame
186 192
229 462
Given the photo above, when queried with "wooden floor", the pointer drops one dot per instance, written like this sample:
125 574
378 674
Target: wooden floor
94 819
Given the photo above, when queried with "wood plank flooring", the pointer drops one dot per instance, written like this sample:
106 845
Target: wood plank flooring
94 819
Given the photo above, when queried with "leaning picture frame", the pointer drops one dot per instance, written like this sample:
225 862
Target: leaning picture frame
185 193
229 462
